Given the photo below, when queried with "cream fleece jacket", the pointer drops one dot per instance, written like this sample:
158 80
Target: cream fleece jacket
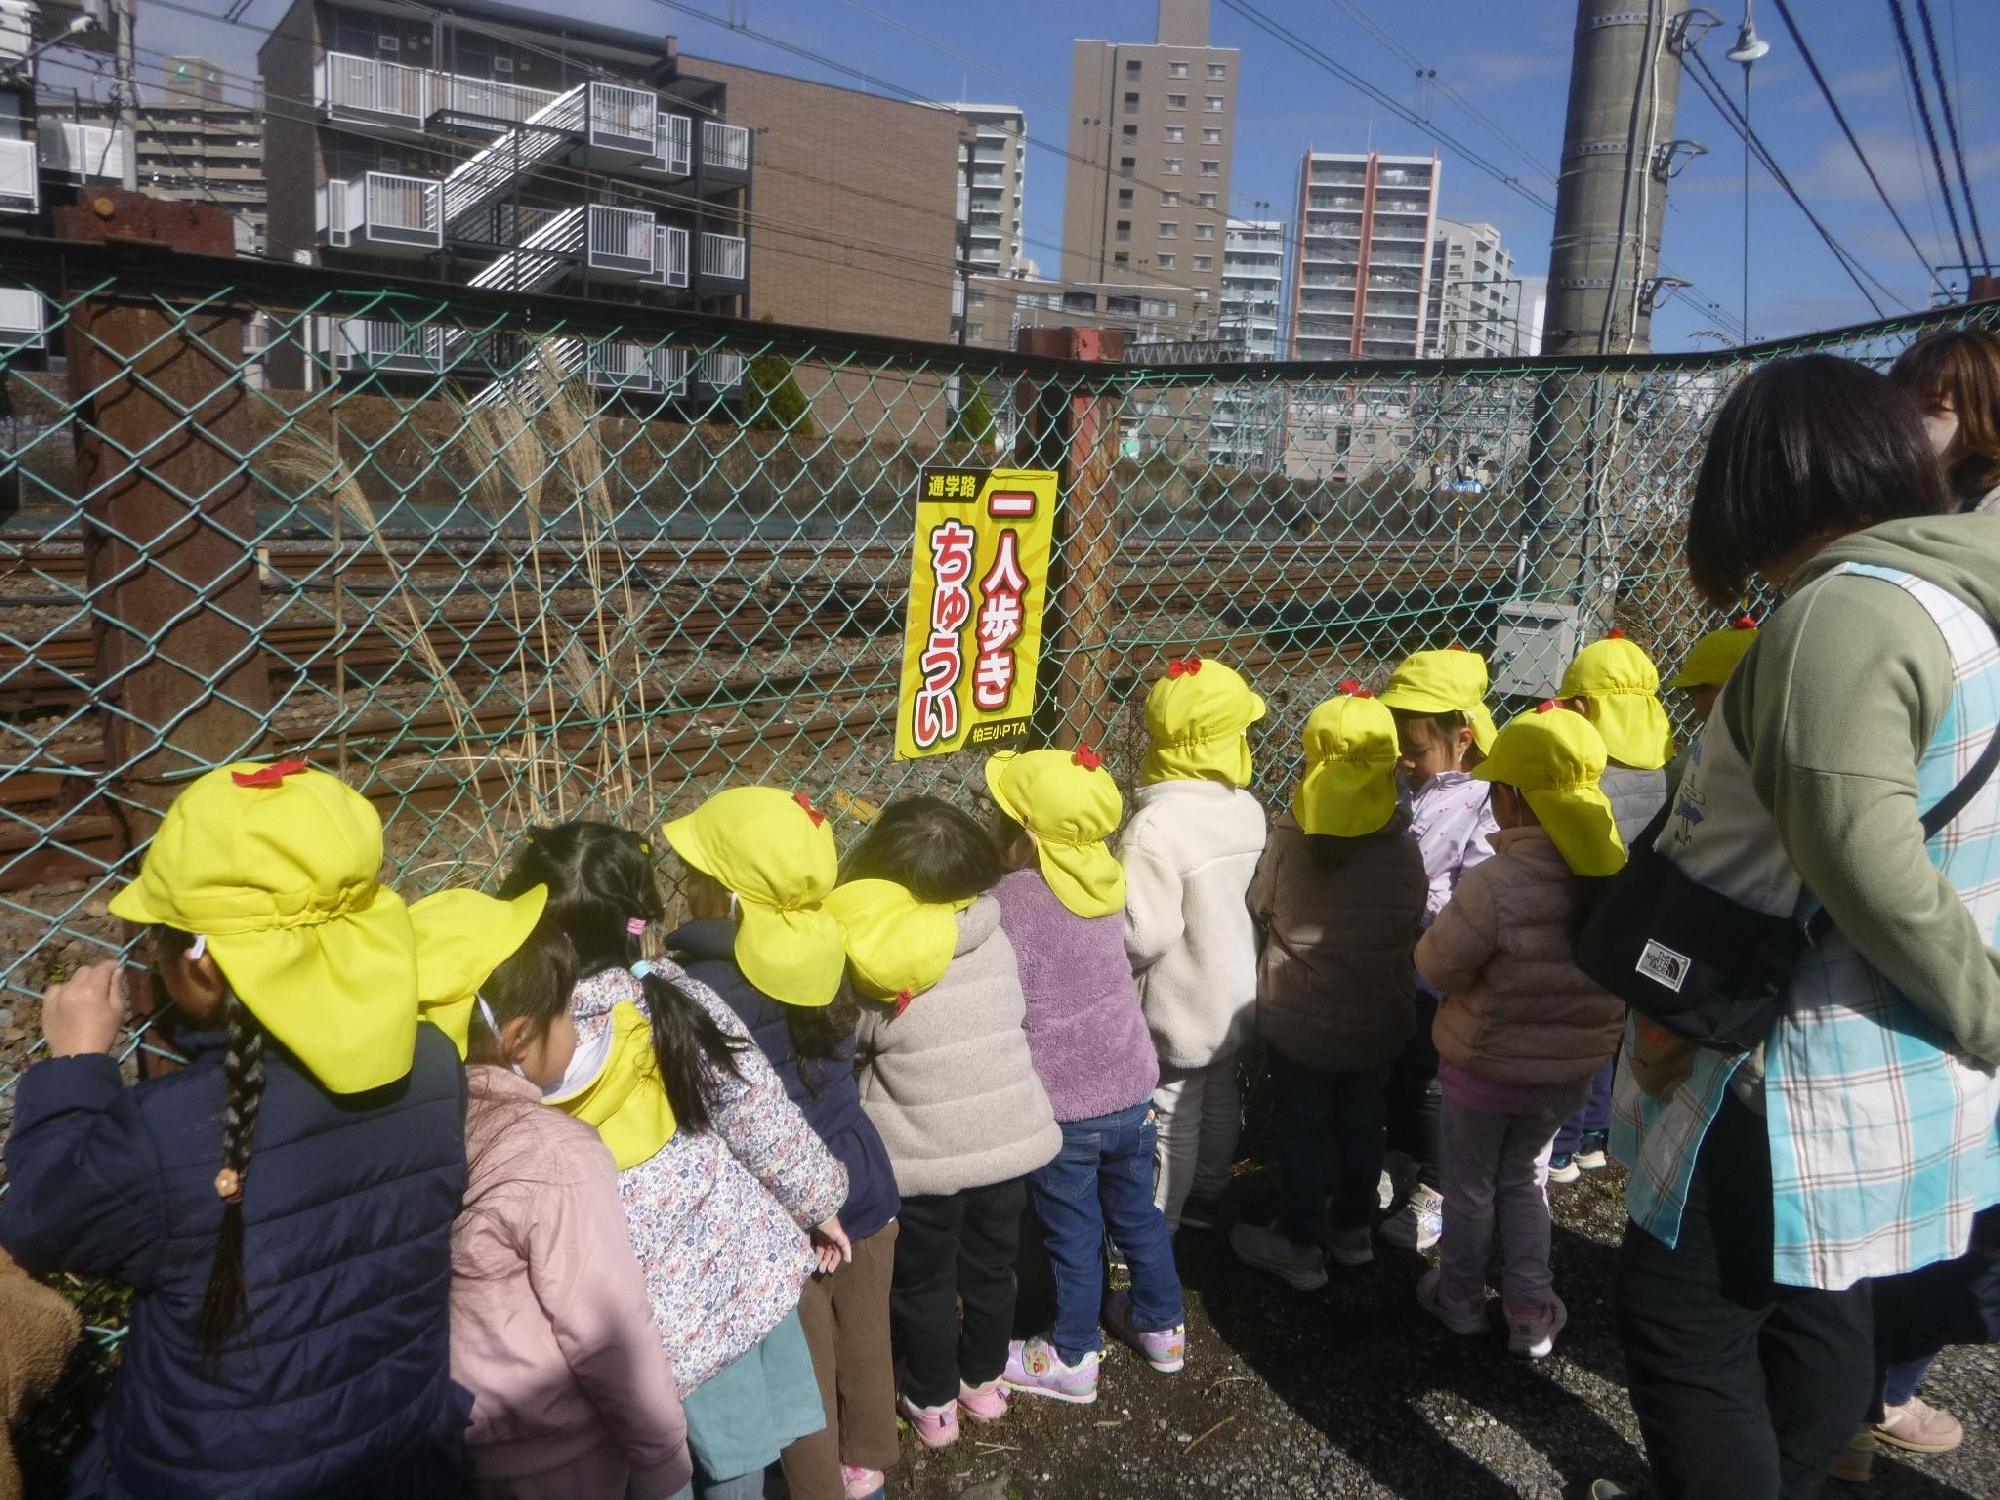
1190 852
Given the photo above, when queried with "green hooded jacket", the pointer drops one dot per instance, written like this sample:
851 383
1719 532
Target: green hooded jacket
1832 708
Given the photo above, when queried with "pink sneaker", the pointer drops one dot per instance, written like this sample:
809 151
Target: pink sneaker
1165 1351
864 1484
935 1426
1035 1368
983 1403
1532 1330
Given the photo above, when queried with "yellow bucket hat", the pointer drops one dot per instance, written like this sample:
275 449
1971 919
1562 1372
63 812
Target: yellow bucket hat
613 1086
773 851
897 946
275 866
1623 689
1350 783
462 937
1069 802
1554 757
1199 716
1454 680
1711 659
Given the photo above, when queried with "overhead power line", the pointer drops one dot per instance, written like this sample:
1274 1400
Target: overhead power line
1951 129
1916 76
1853 141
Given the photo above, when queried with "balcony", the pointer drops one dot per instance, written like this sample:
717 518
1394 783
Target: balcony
620 240
483 101
621 367
724 148
81 151
21 325
724 257
370 91
673 145
383 213
379 344
20 177
670 255
723 373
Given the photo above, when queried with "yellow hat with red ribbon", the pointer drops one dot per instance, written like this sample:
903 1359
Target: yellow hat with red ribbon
1711 659
897 946
1621 686
1453 680
1199 715
462 937
1349 787
1555 757
1070 805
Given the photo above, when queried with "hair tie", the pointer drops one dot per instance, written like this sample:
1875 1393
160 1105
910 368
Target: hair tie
269 775
635 926
1187 666
812 812
229 1185
1088 758
646 968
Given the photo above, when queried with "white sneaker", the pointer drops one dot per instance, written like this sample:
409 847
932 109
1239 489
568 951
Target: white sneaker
1269 1248
1532 1330
1351 1247
1385 1191
1421 1222
1565 1169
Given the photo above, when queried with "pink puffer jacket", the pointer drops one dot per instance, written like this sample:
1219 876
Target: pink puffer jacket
1516 1007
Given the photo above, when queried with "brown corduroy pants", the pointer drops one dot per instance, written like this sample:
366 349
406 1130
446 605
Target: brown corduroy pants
846 1319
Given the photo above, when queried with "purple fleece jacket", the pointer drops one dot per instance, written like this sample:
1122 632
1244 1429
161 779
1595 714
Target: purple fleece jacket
1087 1036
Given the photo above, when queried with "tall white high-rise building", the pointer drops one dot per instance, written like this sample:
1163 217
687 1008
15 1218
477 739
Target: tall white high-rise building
992 171
1362 269
1253 284
1475 297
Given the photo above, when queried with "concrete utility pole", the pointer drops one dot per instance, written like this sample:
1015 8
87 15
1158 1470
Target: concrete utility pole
1624 82
128 94
1603 261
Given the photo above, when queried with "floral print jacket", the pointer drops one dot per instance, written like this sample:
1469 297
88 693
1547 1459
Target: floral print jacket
718 1216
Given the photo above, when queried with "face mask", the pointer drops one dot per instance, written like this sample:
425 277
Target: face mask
492 1025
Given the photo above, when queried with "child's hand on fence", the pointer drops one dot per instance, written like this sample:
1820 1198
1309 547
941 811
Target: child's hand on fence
831 1247
81 1016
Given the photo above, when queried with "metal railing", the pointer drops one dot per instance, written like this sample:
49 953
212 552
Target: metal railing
20 177
621 239
725 146
624 118
723 256
670 255
673 144
349 86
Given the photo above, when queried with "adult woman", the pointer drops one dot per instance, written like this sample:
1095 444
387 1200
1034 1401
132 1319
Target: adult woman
1955 376
1859 1140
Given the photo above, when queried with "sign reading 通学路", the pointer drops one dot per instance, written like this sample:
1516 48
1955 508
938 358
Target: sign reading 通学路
979 576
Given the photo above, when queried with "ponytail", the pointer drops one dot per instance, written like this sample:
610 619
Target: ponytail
226 1302
689 1048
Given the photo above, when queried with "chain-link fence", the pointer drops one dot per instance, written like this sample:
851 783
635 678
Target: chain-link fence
499 560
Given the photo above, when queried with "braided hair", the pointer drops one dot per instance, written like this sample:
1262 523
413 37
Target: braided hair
226 1303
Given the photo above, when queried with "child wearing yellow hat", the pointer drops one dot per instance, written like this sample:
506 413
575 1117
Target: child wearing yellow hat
1189 852
1063 909
313 1138
1521 1029
1339 897
551 1329
1709 662
946 1076
760 864
1443 726
727 1190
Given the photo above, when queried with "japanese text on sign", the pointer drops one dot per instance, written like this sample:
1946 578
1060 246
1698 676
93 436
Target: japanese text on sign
978 583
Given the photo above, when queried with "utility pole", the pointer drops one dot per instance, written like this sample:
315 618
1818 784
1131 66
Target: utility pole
128 94
1603 264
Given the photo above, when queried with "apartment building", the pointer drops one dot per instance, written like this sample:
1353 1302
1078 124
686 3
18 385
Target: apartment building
1475 309
192 144
1363 255
999 307
1151 130
1253 283
993 172
508 149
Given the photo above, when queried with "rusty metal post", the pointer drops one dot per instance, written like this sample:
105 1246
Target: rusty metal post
1074 430
162 437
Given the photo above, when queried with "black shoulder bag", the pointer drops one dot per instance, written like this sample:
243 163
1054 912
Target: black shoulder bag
1703 966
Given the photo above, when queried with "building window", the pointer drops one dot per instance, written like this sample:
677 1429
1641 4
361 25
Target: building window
1206 200
1169 229
1166 262
1204 231
1127 166
1131 67
1122 307
1204 262
975 298
1124 197
1174 101
975 331
1218 71
1213 104
1212 136
1170 200
1177 70
1131 134
1124 231
1211 169
1121 258
1172 165
1131 104
1176 134
1158 307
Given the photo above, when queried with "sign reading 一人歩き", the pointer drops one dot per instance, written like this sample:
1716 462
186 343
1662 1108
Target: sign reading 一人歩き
979 577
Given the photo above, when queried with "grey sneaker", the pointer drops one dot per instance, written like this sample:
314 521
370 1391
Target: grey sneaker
1564 1168
1269 1248
1421 1222
1532 1330
1466 1321
1351 1247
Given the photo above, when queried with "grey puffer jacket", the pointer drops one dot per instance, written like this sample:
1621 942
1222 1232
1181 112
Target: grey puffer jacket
949 1083
1336 985
1635 797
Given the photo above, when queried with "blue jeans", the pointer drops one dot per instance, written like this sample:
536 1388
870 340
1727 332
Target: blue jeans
1343 1112
1103 1179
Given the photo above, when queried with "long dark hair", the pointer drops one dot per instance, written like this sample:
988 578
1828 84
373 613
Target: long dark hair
930 848
600 879
1808 447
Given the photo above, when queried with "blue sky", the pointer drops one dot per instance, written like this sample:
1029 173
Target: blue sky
1509 57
